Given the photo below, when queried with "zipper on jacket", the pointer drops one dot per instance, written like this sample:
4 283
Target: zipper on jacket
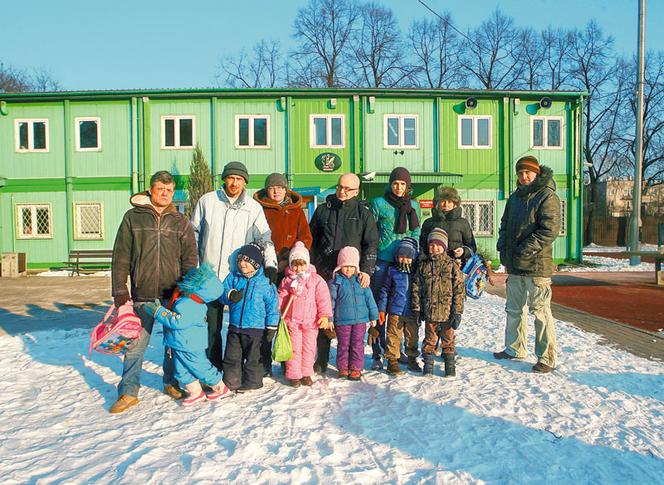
244 300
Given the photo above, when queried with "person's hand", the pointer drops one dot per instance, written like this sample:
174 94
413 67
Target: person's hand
271 274
458 252
235 295
365 279
119 300
323 323
381 318
373 336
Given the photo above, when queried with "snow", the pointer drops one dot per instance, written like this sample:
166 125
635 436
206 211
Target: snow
595 248
64 272
599 418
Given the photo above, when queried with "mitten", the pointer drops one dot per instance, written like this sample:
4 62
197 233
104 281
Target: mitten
455 320
235 295
381 318
271 274
323 323
119 300
373 335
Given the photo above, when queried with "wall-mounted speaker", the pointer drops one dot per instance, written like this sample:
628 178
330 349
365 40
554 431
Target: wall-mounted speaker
471 103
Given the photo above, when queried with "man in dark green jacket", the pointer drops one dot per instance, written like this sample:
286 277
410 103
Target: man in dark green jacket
155 246
528 228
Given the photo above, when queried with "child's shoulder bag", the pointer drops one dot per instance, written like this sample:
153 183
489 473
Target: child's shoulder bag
119 328
477 276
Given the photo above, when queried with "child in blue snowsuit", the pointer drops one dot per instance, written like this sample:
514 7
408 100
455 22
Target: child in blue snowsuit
186 334
253 306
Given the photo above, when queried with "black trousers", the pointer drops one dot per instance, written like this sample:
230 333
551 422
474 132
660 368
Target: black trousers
323 350
266 348
215 319
242 366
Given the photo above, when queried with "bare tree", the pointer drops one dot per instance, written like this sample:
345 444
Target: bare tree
13 80
43 81
323 56
260 69
556 44
532 53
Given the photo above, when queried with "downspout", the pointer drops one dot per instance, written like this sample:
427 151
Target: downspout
140 142
147 144
213 145
579 151
436 134
69 179
133 152
285 102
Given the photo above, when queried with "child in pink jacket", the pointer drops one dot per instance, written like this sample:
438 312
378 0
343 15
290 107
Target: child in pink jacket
310 309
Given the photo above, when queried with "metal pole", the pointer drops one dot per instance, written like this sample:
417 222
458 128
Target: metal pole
638 146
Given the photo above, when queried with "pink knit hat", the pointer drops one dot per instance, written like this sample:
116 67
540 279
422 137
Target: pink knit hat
298 251
348 256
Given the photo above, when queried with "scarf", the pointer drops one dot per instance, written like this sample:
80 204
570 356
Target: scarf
406 212
297 281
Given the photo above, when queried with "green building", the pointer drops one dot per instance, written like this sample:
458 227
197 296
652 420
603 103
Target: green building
69 161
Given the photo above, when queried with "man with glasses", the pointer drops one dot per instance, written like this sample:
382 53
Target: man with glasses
343 220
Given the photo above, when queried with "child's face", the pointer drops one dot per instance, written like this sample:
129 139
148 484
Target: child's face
299 266
446 205
245 267
348 271
405 260
435 248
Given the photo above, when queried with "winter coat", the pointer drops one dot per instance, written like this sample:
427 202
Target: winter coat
287 223
154 249
351 303
258 307
438 288
337 224
311 301
529 226
222 228
386 216
459 232
394 297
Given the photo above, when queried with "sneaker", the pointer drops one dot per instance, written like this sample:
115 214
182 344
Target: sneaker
377 364
214 395
503 355
190 400
343 373
173 391
306 381
123 403
393 367
355 375
542 368
295 382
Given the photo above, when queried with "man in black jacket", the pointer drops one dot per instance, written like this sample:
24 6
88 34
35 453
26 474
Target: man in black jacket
343 220
155 246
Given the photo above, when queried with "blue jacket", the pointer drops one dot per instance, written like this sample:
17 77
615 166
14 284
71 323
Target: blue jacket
259 306
394 296
351 303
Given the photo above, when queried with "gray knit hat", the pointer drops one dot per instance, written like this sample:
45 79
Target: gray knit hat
235 168
276 179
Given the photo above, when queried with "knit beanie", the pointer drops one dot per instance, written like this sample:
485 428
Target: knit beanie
439 236
400 173
528 163
299 251
407 248
235 168
348 256
276 180
252 254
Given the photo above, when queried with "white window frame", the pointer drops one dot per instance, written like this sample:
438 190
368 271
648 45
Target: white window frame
252 141
33 209
31 135
563 218
176 135
328 131
77 133
78 235
545 132
475 224
401 133
474 134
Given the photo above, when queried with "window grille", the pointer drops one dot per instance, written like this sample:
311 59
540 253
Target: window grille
33 221
89 220
479 214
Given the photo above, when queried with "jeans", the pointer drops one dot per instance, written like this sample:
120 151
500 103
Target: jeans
133 359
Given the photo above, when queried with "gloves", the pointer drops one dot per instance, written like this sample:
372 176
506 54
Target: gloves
151 307
235 295
381 318
454 321
323 323
330 332
440 330
119 300
373 335
271 274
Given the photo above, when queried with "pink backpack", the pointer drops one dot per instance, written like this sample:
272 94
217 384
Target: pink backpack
116 331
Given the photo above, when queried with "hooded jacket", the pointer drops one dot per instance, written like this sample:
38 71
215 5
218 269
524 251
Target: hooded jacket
529 226
459 232
310 303
258 307
386 216
351 304
438 288
154 249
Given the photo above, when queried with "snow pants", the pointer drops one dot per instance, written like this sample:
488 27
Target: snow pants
350 346
193 366
242 362
303 340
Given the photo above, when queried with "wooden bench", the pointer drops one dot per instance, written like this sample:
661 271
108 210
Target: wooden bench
658 256
88 259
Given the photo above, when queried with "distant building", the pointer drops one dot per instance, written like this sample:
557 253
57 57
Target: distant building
615 198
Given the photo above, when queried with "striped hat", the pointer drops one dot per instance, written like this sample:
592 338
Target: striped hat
528 163
438 236
407 248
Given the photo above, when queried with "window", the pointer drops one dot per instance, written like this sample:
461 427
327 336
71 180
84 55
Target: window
252 131
327 131
546 132
33 221
88 220
182 206
401 131
31 135
177 132
88 137
475 131
563 217
480 216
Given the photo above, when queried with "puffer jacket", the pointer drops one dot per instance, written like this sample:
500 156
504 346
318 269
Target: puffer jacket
529 226
351 303
386 216
222 228
394 296
258 307
287 223
337 224
438 288
311 298
154 249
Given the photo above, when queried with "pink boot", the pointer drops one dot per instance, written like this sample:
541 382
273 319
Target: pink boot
219 391
194 394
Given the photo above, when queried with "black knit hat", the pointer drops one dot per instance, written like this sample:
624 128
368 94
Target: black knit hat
400 173
252 254
235 168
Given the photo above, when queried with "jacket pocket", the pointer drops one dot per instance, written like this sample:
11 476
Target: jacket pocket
524 261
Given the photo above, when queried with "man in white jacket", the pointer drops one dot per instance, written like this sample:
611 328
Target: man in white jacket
224 221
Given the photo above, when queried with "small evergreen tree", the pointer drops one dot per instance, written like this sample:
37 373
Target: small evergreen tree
200 179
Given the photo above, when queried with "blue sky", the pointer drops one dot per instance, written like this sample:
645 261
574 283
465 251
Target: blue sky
164 44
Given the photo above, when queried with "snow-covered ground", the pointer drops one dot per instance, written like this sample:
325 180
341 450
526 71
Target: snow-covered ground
598 419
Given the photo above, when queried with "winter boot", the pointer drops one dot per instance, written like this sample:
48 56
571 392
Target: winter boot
355 375
377 364
219 391
414 365
195 394
450 366
403 358
307 381
393 367
427 370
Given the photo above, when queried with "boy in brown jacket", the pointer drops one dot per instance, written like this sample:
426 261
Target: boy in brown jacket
438 293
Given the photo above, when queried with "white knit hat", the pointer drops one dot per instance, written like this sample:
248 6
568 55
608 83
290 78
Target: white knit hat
298 251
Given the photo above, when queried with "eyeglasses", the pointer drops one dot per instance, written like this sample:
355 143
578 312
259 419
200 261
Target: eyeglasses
343 188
